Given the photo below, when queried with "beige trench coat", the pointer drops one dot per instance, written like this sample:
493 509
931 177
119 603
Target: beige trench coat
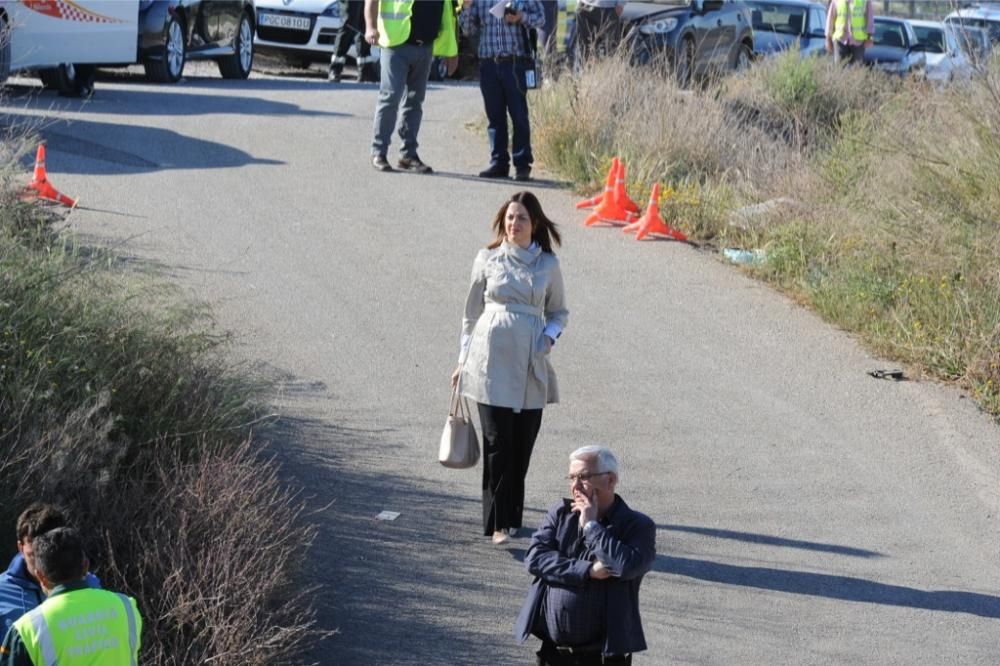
513 295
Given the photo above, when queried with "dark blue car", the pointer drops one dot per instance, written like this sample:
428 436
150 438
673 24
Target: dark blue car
782 25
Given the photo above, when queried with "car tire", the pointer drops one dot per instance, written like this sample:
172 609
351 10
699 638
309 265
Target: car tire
742 58
4 48
70 80
239 65
684 71
169 66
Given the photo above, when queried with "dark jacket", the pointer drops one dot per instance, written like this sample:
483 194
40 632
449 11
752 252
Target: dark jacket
20 592
625 542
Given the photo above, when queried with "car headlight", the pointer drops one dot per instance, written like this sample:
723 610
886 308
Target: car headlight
332 10
658 27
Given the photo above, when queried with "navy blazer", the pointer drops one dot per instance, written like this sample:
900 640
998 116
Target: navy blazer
626 544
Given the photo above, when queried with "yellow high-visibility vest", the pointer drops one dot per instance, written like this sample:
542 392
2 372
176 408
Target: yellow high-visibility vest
85 627
859 24
394 25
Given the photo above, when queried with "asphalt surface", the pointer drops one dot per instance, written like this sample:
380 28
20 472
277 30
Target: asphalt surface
807 513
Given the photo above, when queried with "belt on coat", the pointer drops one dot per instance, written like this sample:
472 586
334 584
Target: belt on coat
518 308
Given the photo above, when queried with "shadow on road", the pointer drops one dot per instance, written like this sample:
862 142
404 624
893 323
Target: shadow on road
111 148
768 540
830 586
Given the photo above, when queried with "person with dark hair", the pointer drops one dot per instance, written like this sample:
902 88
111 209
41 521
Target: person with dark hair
514 313
353 32
19 589
504 60
76 625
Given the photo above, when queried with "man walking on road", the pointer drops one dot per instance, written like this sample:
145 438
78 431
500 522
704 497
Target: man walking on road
76 624
850 27
410 34
588 558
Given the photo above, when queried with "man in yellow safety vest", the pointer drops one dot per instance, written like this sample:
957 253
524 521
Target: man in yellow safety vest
76 625
410 34
850 26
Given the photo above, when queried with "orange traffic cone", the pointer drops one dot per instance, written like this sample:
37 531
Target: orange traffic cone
609 187
651 222
41 188
609 210
621 196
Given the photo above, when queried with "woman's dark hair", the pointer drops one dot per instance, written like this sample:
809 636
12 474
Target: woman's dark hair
543 230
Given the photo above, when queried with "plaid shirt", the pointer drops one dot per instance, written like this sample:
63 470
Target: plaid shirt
496 36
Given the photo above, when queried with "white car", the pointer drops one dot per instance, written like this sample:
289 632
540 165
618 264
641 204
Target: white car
302 31
986 15
945 58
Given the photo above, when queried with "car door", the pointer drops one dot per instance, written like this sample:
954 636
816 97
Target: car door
45 34
734 22
708 31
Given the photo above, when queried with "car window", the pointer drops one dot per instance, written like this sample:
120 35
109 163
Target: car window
889 34
992 27
932 38
817 21
774 17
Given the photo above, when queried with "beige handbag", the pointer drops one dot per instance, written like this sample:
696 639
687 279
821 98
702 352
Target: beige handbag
459 447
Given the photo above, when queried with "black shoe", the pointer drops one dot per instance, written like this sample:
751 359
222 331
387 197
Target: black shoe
495 171
335 74
380 163
523 174
414 165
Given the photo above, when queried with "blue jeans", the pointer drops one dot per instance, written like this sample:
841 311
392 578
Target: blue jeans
405 68
502 85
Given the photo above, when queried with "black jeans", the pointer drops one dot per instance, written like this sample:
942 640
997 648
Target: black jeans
550 656
508 439
848 54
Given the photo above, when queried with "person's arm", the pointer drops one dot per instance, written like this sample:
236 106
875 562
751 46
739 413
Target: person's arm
475 301
831 17
629 557
12 652
371 21
545 561
468 19
556 313
532 14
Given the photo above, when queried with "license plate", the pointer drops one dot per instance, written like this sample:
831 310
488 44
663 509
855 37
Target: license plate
287 22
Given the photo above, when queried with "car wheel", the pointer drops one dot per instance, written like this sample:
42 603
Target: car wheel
238 65
685 63
4 48
169 66
743 58
70 80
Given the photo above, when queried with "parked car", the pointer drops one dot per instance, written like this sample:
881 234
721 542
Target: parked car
171 32
301 31
974 41
985 15
896 49
696 38
781 25
64 48
945 58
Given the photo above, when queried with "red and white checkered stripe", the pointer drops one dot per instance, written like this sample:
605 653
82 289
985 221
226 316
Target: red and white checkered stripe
67 10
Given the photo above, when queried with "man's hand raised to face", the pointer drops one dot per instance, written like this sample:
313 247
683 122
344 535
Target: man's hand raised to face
583 502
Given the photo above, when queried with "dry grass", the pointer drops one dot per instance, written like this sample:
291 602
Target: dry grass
894 233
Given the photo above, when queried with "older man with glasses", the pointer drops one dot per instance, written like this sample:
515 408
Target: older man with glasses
588 558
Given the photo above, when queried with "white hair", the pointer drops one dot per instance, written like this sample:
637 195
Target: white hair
606 460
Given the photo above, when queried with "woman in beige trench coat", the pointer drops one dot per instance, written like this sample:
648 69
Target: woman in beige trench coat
514 313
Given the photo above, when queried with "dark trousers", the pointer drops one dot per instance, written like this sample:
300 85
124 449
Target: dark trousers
508 439
848 54
598 30
353 32
504 92
547 33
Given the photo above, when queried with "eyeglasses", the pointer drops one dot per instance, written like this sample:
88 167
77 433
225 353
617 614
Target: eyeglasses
583 478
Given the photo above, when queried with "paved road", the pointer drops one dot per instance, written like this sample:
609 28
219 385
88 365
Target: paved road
807 513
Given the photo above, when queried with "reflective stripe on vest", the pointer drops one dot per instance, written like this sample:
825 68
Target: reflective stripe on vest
859 22
43 637
133 635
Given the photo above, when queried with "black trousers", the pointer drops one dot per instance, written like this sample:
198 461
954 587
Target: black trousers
549 656
508 439
353 32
